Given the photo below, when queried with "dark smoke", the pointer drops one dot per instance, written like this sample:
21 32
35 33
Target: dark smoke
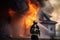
41 2
5 19
21 6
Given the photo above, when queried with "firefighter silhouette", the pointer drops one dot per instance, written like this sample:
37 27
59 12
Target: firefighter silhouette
34 30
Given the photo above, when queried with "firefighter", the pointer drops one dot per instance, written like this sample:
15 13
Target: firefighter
34 30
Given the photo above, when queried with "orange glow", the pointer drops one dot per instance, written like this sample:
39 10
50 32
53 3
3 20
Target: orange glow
21 26
11 12
31 14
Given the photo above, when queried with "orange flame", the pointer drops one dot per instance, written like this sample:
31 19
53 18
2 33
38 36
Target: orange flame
25 20
31 14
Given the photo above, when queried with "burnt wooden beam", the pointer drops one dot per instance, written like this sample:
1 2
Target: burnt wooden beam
45 15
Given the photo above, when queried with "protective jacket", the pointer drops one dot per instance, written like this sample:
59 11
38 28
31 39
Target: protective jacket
34 30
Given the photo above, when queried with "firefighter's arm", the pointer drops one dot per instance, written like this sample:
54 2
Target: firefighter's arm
39 32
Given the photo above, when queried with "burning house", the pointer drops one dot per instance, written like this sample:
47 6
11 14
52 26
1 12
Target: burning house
24 12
